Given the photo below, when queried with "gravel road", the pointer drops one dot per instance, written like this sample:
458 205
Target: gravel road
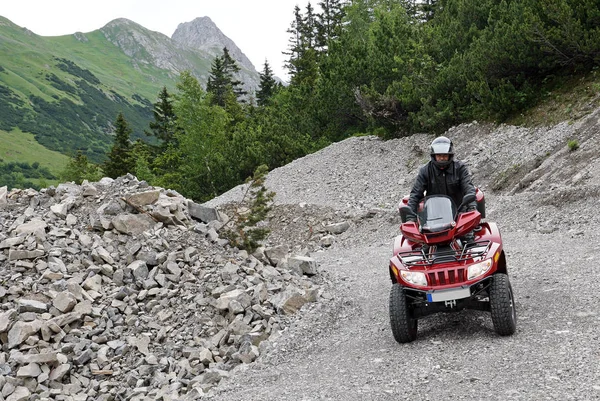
342 348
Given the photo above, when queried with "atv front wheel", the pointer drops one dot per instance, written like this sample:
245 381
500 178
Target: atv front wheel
404 326
502 304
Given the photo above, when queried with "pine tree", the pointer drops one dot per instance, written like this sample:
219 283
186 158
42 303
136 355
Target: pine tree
427 9
303 61
267 85
309 28
295 42
217 84
119 160
329 22
221 80
164 125
232 69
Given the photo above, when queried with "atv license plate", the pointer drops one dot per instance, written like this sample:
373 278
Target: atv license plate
448 295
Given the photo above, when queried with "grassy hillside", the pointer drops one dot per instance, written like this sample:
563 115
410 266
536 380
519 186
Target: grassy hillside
68 90
29 58
21 148
17 146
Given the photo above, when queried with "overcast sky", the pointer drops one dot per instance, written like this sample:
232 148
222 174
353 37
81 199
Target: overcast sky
258 27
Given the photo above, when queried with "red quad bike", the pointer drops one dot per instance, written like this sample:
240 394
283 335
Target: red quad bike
434 269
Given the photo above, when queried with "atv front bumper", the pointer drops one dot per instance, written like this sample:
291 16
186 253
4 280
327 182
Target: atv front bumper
423 303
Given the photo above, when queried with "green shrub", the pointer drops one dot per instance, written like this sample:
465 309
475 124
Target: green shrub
573 145
79 168
243 230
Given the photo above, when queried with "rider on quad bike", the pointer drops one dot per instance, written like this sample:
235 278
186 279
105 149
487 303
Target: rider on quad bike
446 258
443 175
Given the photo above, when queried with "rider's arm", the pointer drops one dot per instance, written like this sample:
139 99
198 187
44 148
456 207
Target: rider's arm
466 184
418 190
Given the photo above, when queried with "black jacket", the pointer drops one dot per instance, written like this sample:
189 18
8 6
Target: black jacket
454 181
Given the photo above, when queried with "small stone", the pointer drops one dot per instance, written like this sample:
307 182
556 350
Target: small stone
29 370
64 301
59 372
20 394
29 305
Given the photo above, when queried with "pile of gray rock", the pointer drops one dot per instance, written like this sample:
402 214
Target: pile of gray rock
118 290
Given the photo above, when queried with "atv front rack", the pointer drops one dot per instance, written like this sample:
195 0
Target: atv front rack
428 256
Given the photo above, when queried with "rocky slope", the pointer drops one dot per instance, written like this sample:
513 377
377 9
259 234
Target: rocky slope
116 290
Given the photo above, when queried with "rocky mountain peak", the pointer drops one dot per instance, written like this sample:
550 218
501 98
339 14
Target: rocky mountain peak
203 34
145 46
123 23
198 37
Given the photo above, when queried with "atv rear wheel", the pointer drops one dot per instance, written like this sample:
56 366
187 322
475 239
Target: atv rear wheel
502 304
404 326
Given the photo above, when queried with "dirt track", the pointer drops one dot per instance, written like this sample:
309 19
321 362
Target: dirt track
344 349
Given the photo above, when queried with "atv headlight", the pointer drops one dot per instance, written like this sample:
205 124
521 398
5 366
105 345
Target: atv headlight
417 278
479 269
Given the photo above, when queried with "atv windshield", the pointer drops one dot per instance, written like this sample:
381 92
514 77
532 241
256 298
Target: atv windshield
437 214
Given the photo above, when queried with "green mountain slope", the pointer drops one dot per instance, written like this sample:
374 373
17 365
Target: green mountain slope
68 90
21 148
